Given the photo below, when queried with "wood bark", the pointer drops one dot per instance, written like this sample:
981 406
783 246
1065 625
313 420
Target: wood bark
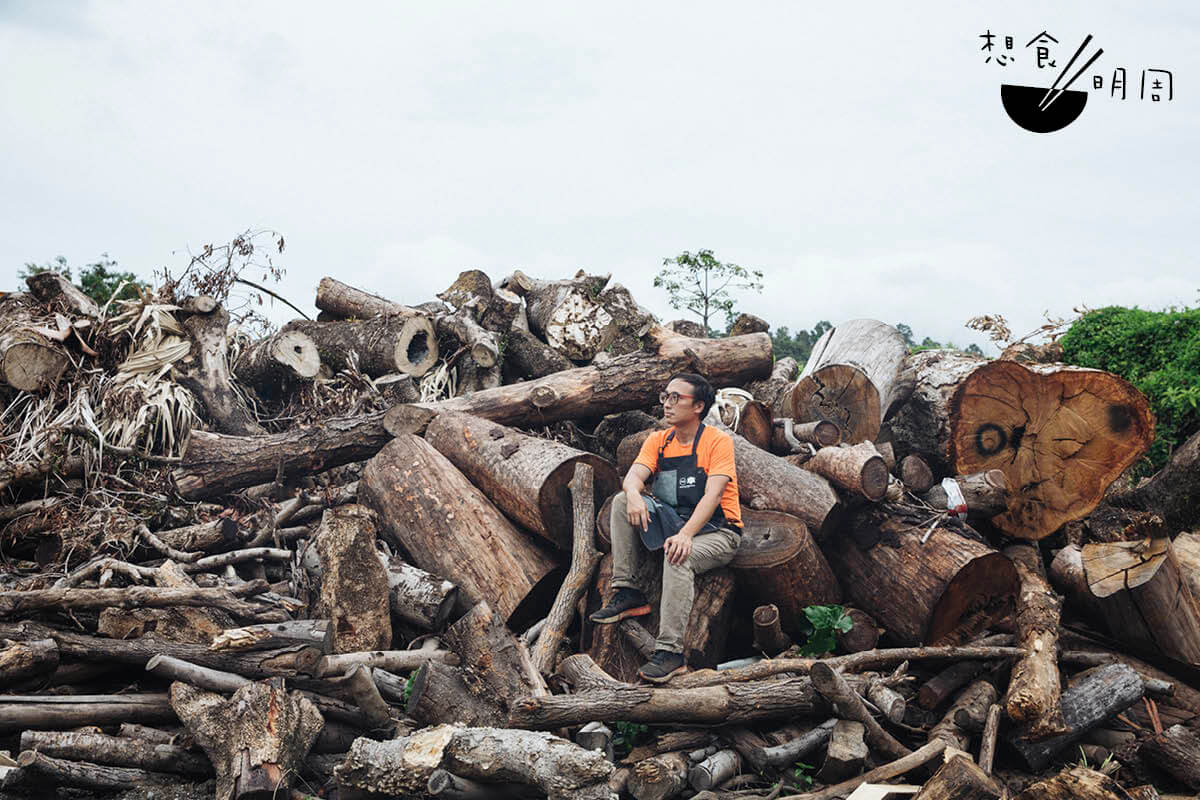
49 287
557 767
434 513
418 597
778 562
29 361
19 660
613 429
255 740
342 301
55 712
987 740
938 689
756 424
209 376
1099 694
84 775
835 688
887 700
1186 547
955 727
399 342
788 436
1173 492
986 494
117 751
497 663
527 477
584 558
916 474
1074 783
766 483
715 770
444 694
392 660
845 753
354 583
960 779
214 680
857 468
527 357
659 777
1033 690
496 309
768 635
863 635
798 749
852 378
1060 434
316 633
277 361
920 592
1143 597
133 597
1177 752
922 425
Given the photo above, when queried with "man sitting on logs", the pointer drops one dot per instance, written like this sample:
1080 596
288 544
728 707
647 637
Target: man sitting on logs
692 514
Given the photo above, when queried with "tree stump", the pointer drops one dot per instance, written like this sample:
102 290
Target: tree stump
960 779
354 584
208 376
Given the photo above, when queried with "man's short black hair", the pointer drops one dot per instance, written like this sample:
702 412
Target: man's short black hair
701 388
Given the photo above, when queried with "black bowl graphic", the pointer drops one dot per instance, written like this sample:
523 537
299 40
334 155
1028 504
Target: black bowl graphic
1021 103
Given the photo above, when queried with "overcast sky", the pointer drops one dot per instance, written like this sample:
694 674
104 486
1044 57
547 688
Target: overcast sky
857 154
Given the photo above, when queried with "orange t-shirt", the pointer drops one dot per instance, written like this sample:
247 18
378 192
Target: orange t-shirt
714 455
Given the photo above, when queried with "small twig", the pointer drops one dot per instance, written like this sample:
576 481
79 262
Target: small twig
166 549
281 299
1152 710
236 557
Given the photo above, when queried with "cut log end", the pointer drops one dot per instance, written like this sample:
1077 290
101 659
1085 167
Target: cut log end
841 394
298 353
415 352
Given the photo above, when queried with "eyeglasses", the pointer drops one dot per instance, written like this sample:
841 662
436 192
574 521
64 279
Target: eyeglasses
672 398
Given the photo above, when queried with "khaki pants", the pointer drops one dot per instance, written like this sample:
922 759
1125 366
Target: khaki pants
709 551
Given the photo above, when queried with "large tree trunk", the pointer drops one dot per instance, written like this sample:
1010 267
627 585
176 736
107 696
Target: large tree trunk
29 361
55 712
418 597
342 301
1173 492
527 357
256 740
1061 435
769 390
276 361
561 769
400 342
857 468
497 664
852 378
209 374
1033 690
920 591
449 527
766 483
116 750
1097 695
778 562
354 583
1143 597
527 477
922 425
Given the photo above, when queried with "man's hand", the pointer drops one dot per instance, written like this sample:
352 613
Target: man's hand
678 547
636 511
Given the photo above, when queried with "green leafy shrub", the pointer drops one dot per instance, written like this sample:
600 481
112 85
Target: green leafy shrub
822 625
1156 351
627 735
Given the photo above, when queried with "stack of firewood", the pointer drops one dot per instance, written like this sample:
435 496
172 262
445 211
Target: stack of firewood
355 558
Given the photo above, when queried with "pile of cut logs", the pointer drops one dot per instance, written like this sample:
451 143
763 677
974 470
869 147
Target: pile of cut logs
391 600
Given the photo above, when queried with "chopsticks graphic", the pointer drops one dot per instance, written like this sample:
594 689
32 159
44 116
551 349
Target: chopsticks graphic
1047 99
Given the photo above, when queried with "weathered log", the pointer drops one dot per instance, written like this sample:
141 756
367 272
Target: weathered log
1177 752
987 740
391 660
1003 414
354 584
937 690
209 378
494 308
1173 492
20 660
584 558
798 749
768 636
715 770
916 474
659 777
1111 524
624 382
1143 597
417 597
55 712
971 703
404 341
960 779
835 688
215 464
118 751
526 357
497 663
921 584
755 424
985 493
788 436
778 562
1074 783
214 680
342 301
858 468
221 533
441 694
462 331
613 429
922 425
596 736
434 513
255 740
275 361
367 697
1033 689
1099 694
83 775
526 477
890 702
845 753
51 287
852 378
863 635
1186 547
134 597
316 633
29 361
766 482
561 769
917 758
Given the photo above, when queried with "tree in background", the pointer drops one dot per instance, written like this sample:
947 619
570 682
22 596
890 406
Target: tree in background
97 280
700 284
798 345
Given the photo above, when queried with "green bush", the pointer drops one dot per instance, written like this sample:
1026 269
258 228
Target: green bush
1156 351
